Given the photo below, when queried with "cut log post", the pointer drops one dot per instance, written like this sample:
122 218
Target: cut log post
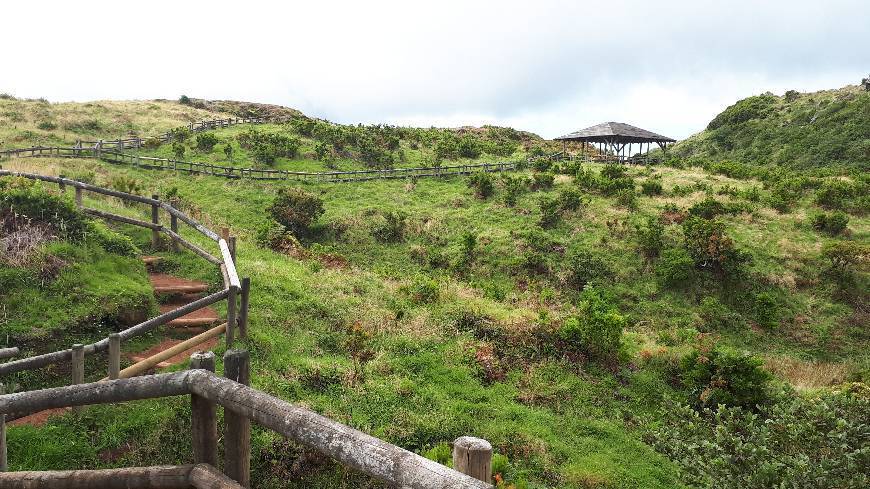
473 457
232 244
61 184
114 355
79 197
4 465
78 367
203 420
204 476
155 219
243 308
231 316
237 428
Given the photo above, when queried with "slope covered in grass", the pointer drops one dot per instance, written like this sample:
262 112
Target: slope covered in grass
797 130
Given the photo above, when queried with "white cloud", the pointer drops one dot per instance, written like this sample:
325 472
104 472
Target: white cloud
548 66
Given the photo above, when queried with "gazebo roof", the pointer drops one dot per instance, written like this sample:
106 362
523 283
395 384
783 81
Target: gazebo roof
617 132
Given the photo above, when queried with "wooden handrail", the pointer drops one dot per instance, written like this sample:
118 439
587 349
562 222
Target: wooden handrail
200 476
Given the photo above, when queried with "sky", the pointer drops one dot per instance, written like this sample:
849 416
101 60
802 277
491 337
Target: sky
550 67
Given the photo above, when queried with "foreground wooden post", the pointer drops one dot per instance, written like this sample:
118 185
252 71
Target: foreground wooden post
232 244
155 219
231 317
78 197
114 355
78 368
203 419
61 184
237 428
473 457
4 466
173 225
243 308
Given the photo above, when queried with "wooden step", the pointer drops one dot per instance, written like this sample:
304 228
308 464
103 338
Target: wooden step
168 284
201 317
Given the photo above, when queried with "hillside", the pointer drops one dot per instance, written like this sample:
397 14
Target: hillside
797 130
586 319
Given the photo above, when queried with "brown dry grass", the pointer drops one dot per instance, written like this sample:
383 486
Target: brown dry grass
806 375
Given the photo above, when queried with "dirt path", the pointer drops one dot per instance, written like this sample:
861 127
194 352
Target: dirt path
178 291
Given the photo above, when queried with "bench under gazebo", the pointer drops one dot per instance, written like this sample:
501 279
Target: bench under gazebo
614 141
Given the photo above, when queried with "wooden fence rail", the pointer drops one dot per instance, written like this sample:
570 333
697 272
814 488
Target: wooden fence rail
231 287
372 456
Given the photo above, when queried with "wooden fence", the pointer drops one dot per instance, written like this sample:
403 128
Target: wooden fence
241 405
640 159
195 168
233 288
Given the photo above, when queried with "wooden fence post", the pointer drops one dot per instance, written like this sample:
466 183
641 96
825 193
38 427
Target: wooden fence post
61 184
78 368
114 355
79 197
231 243
203 420
231 317
4 466
473 457
173 225
155 219
243 308
237 428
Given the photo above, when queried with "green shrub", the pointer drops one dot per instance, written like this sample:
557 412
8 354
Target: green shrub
296 209
651 187
597 330
123 183
228 151
846 261
766 309
423 289
724 376
833 224
180 134
468 148
550 212
708 208
47 126
626 198
513 187
21 197
675 269
585 267
482 184
569 199
712 249
117 243
178 149
716 316
814 441
265 148
184 100
152 143
542 181
206 141
321 151
836 194
392 228
651 236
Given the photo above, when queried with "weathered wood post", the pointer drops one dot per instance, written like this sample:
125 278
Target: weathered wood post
173 225
61 184
243 308
79 197
78 368
203 419
473 457
232 245
231 317
237 428
4 465
114 355
155 219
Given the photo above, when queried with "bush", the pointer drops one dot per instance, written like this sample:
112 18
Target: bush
423 289
296 209
707 244
724 376
817 440
833 224
550 212
846 261
178 149
180 134
675 269
836 194
152 143
708 208
126 184
392 228
585 267
569 199
542 181
716 316
22 198
482 184
265 148
228 151
597 330
468 148
626 198
651 236
184 100
47 126
206 141
513 187
651 187
766 310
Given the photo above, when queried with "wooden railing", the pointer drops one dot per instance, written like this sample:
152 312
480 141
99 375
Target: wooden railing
241 405
599 158
233 287
195 168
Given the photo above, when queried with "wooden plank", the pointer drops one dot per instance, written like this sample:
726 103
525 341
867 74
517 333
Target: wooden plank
204 476
194 248
8 352
231 266
119 218
148 363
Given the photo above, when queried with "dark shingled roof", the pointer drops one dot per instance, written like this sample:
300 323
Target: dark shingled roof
616 132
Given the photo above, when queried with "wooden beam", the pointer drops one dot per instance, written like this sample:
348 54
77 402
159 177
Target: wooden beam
160 477
150 362
237 426
203 420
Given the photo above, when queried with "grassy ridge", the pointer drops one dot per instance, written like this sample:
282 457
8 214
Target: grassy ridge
797 130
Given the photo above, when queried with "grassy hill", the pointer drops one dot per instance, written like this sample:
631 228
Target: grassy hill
797 130
585 320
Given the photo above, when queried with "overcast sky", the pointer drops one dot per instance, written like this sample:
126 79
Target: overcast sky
550 67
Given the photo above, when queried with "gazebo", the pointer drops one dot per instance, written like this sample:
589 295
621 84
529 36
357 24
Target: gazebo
613 139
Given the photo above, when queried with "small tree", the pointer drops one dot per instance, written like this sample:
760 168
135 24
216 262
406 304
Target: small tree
482 184
228 151
206 141
296 209
178 149
597 330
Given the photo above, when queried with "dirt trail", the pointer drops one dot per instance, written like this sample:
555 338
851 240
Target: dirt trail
180 291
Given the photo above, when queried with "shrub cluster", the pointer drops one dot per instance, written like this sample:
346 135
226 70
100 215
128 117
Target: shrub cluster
834 223
265 148
597 330
296 210
721 375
